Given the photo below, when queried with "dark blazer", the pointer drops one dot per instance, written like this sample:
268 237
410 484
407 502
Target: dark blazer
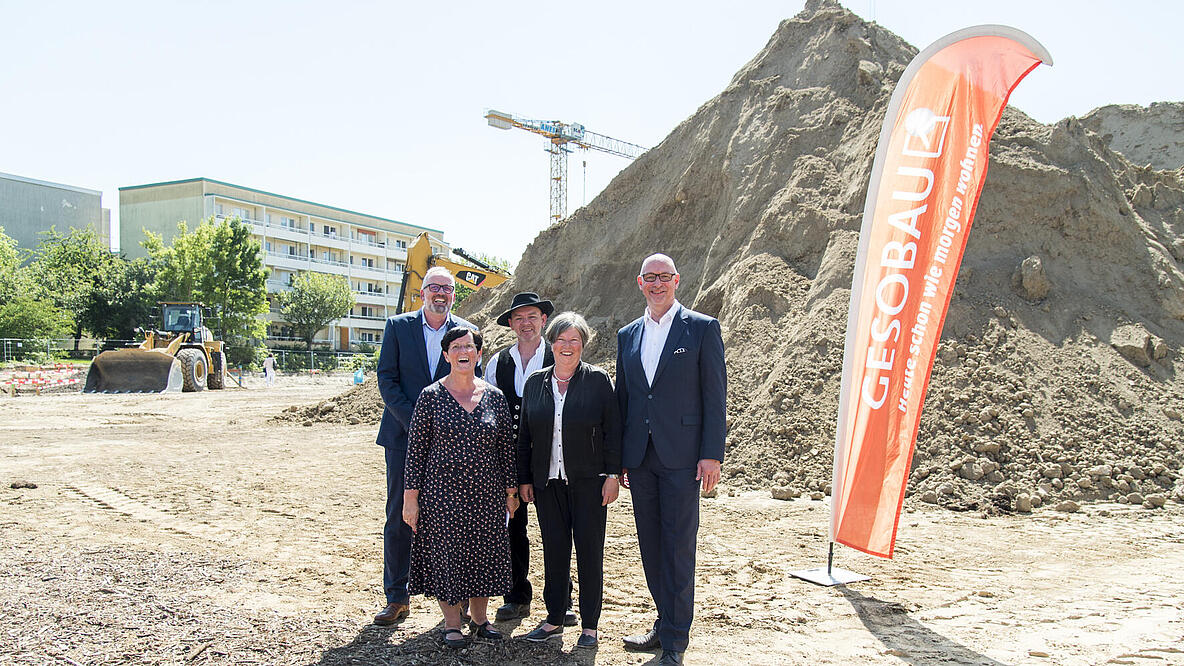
591 426
403 372
685 409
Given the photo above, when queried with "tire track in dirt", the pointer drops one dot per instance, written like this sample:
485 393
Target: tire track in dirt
113 499
267 541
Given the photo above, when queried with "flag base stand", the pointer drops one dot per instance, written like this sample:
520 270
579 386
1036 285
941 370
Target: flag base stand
829 576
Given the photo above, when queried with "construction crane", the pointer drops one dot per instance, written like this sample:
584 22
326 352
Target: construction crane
560 138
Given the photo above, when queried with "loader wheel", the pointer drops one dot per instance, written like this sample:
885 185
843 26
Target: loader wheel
217 378
193 369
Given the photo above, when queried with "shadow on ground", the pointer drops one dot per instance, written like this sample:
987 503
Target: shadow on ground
376 645
908 639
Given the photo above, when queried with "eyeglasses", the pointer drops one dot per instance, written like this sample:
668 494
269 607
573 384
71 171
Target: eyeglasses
440 288
664 277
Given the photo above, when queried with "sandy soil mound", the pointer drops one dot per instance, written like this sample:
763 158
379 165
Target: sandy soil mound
1144 134
1058 376
359 404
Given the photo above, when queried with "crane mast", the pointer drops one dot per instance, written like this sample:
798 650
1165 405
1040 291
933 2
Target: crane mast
560 138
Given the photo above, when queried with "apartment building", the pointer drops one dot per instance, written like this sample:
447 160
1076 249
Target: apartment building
29 207
296 236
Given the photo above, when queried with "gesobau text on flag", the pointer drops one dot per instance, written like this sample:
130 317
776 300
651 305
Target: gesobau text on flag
902 256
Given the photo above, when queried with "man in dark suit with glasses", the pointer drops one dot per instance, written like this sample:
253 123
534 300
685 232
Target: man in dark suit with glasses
672 390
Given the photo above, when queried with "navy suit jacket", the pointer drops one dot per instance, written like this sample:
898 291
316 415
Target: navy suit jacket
685 408
403 372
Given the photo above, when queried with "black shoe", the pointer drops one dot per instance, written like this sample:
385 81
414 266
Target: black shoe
570 619
586 641
512 611
487 631
538 635
454 643
670 658
647 641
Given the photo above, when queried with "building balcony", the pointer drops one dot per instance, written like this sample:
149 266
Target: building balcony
370 297
278 285
256 224
368 272
360 321
323 265
365 241
295 262
280 232
332 240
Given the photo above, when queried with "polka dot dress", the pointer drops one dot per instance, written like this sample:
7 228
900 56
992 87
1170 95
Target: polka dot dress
461 463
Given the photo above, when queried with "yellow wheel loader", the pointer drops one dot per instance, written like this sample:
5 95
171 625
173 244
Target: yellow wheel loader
182 355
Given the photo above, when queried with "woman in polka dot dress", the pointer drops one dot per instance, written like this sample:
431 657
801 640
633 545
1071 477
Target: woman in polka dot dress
461 481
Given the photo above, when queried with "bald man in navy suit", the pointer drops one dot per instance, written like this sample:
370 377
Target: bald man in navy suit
672 390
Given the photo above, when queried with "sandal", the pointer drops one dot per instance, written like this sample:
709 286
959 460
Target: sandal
454 643
487 631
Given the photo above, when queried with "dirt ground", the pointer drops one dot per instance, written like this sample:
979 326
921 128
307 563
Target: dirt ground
188 529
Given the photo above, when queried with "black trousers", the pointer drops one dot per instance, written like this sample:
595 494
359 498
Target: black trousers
571 513
520 589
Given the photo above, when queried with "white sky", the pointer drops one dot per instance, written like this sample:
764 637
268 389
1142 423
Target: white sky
377 106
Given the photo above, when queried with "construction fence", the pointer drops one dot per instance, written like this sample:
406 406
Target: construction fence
48 351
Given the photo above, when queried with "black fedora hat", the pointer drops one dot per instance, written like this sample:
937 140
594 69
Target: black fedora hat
526 298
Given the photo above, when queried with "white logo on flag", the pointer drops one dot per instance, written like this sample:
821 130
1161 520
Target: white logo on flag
925 133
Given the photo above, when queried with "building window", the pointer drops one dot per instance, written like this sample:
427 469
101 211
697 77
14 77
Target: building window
401 244
268 246
292 250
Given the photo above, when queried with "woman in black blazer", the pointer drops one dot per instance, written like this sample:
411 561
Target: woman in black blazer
569 459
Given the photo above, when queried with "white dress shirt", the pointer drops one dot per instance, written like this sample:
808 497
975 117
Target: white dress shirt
557 471
653 339
520 373
432 337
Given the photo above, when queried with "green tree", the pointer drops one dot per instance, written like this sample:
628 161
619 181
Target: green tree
28 317
123 299
218 264
315 300
67 268
12 278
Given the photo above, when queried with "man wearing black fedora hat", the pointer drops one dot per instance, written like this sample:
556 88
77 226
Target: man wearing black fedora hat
508 370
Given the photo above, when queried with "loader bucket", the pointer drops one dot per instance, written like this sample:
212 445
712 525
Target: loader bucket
133 371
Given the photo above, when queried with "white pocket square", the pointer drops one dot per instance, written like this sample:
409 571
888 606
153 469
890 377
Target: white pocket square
680 350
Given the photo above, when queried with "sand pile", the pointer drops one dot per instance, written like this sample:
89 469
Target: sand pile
360 404
1145 135
1058 377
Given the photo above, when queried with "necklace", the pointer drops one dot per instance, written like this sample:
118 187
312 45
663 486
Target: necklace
564 381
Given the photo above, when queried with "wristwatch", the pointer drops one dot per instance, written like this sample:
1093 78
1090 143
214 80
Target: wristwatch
613 476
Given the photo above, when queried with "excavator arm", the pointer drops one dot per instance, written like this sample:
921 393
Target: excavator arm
420 258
